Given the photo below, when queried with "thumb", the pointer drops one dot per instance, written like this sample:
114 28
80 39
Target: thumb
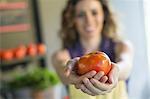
113 75
70 65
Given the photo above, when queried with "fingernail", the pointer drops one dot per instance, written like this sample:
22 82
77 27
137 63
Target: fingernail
85 80
102 72
93 72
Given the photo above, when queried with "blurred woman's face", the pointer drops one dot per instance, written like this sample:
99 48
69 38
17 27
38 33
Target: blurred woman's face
89 18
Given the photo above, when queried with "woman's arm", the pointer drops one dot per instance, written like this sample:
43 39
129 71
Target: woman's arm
64 66
59 60
124 52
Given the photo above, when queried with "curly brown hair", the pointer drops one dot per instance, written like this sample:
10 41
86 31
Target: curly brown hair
68 32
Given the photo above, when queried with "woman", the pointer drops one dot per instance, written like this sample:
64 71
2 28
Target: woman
89 25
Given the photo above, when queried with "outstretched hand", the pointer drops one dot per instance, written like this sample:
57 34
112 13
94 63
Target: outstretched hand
92 83
101 84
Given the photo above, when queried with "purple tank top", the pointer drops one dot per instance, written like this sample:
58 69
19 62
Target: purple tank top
107 46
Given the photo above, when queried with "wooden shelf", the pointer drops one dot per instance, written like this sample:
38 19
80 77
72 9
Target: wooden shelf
13 6
20 17
7 65
15 28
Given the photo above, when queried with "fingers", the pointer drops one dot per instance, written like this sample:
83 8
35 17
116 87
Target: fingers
99 75
100 86
90 87
70 65
89 74
78 86
104 79
85 90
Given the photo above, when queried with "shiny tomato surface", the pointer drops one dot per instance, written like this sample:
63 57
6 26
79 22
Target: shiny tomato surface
97 61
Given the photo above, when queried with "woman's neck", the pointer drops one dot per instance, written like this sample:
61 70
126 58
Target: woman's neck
91 44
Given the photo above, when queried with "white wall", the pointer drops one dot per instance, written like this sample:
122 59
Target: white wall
50 12
147 28
132 17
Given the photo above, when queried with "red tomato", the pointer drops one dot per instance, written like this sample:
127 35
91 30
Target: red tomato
20 52
97 61
1 54
7 55
41 48
32 50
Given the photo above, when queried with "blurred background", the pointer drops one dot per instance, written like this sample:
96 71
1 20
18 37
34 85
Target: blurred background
29 36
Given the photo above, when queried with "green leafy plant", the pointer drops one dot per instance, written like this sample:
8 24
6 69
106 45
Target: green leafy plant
39 79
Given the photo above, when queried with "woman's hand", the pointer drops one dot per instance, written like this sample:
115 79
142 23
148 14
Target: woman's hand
72 75
92 83
100 84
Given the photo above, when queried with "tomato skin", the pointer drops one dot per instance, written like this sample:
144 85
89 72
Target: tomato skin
1 54
7 55
20 52
41 49
97 61
32 50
